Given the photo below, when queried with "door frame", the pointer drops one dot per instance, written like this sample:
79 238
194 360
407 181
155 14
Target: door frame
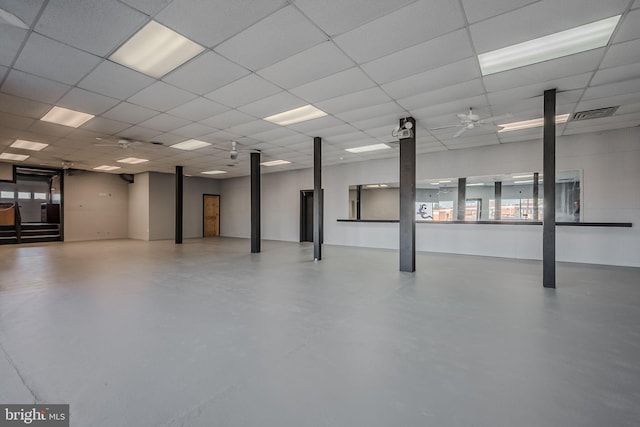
219 212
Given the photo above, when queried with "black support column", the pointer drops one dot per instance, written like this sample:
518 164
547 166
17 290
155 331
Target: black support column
536 195
359 202
498 200
255 203
462 199
317 198
179 203
408 198
549 167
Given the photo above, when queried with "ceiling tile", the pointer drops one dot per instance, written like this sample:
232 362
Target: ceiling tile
616 74
27 11
149 7
129 113
243 91
205 73
316 125
14 122
515 27
530 91
194 130
453 107
612 89
169 138
24 107
446 94
420 21
198 109
220 135
544 71
276 37
477 10
273 104
227 119
419 58
95 26
344 82
12 39
251 128
64 64
312 64
629 29
99 124
427 81
353 101
50 129
138 133
33 87
608 101
372 112
165 123
87 102
338 16
115 80
161 96
274 134
622 54
209 22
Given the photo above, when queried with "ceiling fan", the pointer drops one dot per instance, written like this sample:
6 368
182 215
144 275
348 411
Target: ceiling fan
471 121
236 149
125 143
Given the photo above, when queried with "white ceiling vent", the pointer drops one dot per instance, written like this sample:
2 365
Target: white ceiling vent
594 114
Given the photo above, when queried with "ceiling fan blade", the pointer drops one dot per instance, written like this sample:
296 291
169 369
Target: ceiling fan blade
460 132
447 127
462 116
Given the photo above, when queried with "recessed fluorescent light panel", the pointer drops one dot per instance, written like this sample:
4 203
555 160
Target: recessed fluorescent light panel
132 160
476 184
213 172
296 115
275 163
523 182
155 50
564 43
523 176
66 117
106 168
191 144
10 156
508 127
366 148
29 145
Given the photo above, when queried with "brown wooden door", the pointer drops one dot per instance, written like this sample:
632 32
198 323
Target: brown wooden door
211 215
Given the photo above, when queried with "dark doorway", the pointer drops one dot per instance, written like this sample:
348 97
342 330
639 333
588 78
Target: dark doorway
306 216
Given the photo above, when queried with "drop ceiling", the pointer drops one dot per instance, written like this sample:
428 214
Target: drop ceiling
365 63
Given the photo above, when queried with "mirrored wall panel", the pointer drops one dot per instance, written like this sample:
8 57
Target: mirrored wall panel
504 197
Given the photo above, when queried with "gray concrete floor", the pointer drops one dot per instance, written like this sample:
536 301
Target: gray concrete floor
133 333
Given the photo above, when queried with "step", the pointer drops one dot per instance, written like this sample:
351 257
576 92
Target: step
8 240
7 233
43 226
32 232
40 239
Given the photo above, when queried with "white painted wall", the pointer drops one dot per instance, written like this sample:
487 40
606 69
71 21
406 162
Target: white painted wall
610 162
95 207
162 205
138 208
194 188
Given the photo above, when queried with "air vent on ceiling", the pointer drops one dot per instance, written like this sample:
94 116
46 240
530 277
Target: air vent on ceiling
595 114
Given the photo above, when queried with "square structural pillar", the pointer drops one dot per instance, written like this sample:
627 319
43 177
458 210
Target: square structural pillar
549 167
317 199
255 203
179 203
407 136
